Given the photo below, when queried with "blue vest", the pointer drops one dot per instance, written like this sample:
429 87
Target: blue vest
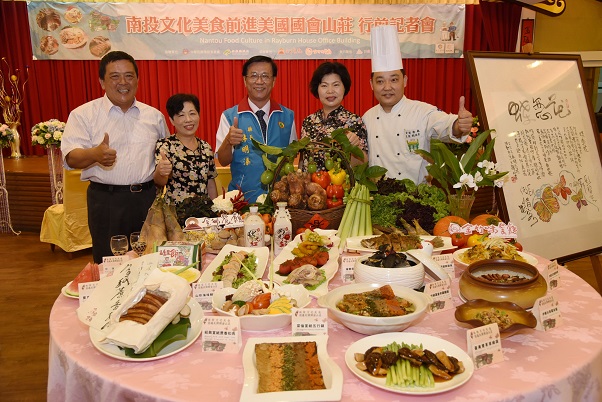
247 164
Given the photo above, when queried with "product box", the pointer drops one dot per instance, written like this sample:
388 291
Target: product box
179 254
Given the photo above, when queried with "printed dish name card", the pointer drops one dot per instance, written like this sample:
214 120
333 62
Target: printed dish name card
85 290
309 321
441 293
484 345
552 275
547 312
347 265
109 264
446 262
203 293
221 334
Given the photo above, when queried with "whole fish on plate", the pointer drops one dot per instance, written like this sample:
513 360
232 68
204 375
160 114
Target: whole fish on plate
398 241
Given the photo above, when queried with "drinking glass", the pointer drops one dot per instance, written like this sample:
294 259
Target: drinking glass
119 244
138 244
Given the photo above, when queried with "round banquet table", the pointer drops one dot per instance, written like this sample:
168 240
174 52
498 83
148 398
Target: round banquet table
563 364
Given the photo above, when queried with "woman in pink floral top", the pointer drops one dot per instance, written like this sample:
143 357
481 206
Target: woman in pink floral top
330 83
185 163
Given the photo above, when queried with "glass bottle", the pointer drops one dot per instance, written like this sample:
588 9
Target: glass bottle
283 228
254 229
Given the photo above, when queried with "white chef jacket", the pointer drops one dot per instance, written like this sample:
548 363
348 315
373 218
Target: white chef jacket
393 137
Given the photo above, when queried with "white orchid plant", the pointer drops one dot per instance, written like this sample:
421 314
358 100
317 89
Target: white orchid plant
474 169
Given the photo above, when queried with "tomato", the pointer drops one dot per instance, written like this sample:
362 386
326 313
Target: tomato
334 202
442 225
475 239
486 220
322 178
519 247
267 177
335 190
288 168
328 164
337 176
459 240
312 167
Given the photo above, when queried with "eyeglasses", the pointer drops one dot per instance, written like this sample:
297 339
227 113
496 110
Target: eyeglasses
255 77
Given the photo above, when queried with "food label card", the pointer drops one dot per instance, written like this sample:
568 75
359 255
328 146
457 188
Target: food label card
221 334
441 293
547 312
347 264
203 293
109 263
85 290
446 262
484 345
552 275
309 321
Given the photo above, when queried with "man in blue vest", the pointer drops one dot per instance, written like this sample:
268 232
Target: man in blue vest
258 117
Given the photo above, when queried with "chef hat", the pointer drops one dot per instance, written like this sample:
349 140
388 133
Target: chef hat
384 43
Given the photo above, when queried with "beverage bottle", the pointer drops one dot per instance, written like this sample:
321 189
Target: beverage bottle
254 229
283 228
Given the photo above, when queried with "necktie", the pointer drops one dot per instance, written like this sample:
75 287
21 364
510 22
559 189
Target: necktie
264 127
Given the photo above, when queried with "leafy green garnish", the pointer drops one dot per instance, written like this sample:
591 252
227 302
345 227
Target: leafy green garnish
171 333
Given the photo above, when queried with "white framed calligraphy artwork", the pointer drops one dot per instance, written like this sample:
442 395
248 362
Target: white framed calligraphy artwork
546 139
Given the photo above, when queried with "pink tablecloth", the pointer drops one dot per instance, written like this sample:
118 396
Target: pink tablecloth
564 364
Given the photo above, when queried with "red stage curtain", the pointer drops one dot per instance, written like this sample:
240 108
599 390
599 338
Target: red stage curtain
57 87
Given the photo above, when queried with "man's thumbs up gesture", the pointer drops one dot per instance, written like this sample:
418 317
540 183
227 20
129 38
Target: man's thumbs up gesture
106 156
464 122
234 136
164 165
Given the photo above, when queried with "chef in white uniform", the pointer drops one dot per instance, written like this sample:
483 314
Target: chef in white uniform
397 125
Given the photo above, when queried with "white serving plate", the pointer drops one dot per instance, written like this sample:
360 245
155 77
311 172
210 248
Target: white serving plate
331 372
64 291
268 322
330 268
431 343
111 350
529 258
262 254
355 244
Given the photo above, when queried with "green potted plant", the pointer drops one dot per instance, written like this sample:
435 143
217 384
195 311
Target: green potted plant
462 176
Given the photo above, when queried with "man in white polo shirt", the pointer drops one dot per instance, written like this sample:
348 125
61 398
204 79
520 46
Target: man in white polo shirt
397 125
112 139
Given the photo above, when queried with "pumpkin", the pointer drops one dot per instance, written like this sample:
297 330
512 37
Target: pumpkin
442 225
486 220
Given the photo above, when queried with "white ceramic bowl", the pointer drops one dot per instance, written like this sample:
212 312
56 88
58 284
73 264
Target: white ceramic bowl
375 325
411 277
266 322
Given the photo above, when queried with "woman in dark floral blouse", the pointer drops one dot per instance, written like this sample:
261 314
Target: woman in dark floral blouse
330 83
185 163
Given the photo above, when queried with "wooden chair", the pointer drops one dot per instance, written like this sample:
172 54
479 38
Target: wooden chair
66 225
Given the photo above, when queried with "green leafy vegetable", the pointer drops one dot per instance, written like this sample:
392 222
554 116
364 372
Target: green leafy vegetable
171 333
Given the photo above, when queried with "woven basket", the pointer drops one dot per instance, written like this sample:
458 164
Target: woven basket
300 217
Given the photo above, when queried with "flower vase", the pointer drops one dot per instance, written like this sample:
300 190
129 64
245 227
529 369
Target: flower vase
15 145
55 168
461 204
